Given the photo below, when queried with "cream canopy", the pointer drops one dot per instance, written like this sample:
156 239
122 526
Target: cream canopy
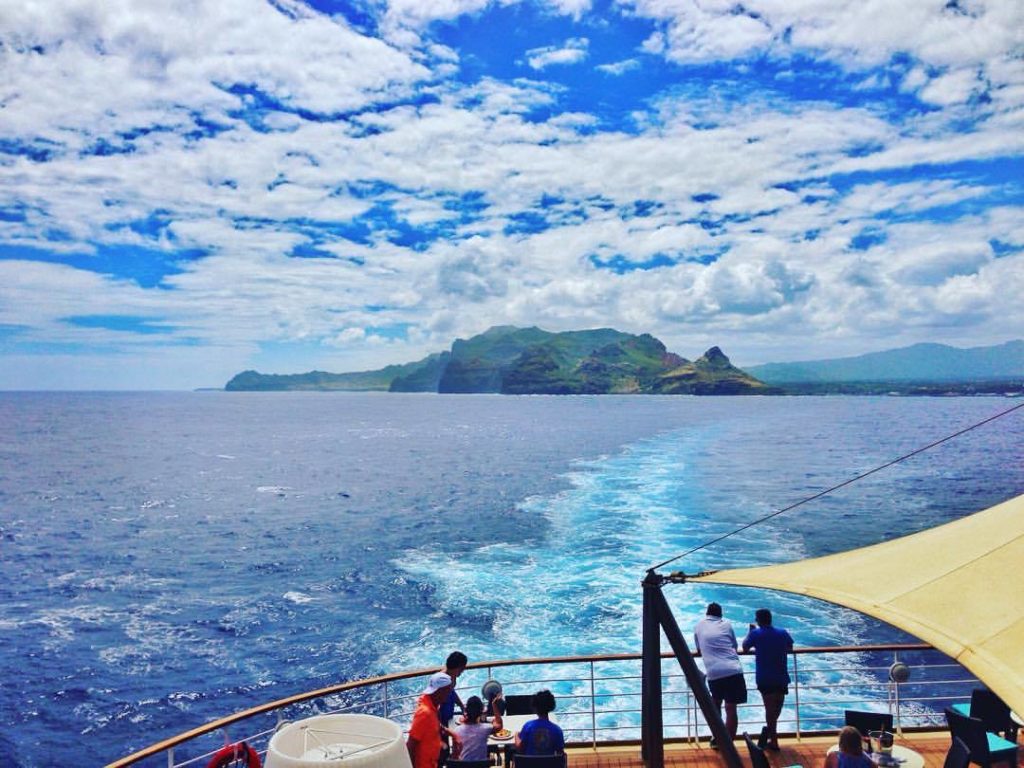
959 587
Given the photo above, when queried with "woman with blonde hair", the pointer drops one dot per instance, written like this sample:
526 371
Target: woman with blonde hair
851 751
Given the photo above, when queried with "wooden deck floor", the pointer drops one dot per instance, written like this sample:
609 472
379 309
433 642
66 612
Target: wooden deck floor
807 752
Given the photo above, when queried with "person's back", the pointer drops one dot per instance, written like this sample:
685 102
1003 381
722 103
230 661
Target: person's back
772 647
474 740
472 733
541 736
850 751
844 760
716 641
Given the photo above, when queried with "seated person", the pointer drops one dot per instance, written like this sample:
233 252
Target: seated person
541 736
851 751
473 733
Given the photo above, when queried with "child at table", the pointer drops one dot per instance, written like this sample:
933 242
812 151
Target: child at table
473 732
851 751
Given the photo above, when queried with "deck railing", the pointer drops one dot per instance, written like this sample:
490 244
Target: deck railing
599 698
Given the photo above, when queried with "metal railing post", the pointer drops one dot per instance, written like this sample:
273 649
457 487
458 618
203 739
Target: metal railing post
170 758
896 694
691 716
796 694
593 707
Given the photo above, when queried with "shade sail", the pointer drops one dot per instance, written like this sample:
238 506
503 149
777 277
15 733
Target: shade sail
959 587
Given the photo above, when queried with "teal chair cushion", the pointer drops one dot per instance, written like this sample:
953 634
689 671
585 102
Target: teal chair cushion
964 708
999 744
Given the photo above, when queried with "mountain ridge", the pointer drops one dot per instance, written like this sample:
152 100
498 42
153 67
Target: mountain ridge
922 362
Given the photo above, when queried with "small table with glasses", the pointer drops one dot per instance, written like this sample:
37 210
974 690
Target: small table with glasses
902 757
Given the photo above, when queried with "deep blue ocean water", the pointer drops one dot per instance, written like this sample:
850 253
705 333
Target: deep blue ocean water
166 558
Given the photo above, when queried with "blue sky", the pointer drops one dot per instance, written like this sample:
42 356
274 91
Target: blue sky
189 191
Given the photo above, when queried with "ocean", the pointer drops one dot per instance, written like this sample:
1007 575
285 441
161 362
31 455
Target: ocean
166 558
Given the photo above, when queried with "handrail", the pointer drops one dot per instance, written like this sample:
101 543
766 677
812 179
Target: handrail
223 722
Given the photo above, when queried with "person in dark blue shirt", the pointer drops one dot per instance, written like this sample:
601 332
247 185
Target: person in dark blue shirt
454 666
541 736
771 650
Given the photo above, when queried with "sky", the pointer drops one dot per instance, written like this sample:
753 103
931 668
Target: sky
195 188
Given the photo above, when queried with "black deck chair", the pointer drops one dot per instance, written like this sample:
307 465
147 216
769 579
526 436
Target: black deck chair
518 704
757 756
985 748
993 712
866 722
958 756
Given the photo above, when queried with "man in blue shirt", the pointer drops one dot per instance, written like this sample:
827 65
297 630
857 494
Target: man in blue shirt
541 736
771 649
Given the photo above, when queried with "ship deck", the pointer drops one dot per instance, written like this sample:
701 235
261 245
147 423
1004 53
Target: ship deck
808 752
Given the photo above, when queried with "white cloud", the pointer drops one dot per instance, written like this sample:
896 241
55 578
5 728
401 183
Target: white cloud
619 67
572 51
856 35
746 188
951 88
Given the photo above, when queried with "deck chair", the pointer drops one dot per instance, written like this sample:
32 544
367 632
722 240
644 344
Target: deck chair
518 704
758 759
985 748
539 761
993 712
757 756
866 722
958 755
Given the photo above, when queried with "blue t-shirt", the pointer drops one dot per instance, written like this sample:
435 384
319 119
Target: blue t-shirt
854 761
541 737
771 646
447 709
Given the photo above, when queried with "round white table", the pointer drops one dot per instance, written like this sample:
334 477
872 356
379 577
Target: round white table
905 757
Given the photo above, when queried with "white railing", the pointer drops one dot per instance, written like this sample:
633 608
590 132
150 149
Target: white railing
599 698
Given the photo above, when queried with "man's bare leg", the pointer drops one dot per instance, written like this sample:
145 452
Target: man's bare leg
772 710
732 721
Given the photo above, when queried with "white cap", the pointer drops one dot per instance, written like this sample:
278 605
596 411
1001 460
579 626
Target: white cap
437 681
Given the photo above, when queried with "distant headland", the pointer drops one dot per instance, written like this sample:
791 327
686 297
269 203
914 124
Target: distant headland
530 361
525 361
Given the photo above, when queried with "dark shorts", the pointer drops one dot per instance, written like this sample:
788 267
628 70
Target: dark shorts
768 690
731 689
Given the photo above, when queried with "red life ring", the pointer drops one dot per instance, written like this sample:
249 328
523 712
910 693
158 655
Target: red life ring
239 755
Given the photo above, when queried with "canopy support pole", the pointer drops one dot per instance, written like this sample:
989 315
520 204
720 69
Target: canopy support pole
658 617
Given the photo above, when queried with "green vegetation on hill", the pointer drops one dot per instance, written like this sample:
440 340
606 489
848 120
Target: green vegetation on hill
361 381
514 360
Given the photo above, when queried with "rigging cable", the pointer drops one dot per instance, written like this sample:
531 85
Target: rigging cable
836 487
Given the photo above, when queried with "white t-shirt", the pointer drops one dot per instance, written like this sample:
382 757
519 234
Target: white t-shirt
717 645
474 740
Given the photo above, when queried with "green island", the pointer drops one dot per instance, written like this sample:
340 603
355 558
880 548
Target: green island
530 361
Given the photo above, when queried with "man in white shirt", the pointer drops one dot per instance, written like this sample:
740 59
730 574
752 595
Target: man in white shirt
716 642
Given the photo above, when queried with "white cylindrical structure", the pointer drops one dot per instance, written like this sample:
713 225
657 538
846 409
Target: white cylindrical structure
346 741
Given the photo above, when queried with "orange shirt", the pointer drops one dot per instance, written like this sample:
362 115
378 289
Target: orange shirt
426 731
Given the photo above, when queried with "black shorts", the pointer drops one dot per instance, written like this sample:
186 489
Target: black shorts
768 690
731 689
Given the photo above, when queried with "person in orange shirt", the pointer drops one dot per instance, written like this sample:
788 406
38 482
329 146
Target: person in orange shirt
424 742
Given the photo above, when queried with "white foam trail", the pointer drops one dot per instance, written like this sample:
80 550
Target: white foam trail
576 589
